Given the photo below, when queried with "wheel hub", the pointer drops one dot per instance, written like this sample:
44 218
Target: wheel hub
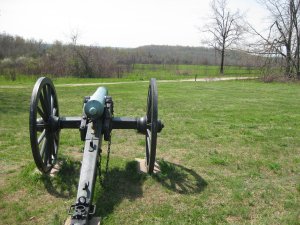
53 123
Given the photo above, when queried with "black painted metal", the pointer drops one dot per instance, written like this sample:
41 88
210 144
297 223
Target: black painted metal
84 120
43 124
124 123
151 131
107 117
69 122
75 122
139 124
88 173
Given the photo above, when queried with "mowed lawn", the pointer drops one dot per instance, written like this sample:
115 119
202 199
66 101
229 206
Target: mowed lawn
229 154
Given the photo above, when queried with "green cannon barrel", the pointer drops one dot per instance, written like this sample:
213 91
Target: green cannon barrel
95 106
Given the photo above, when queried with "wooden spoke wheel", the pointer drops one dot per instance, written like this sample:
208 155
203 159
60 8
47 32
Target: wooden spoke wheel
44 124
151 120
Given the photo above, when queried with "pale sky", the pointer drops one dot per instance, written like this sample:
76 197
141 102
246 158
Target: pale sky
116 23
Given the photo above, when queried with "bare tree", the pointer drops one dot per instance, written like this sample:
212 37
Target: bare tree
225 28
295 10
282 39
82 57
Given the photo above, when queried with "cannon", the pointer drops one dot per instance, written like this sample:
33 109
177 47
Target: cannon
95 125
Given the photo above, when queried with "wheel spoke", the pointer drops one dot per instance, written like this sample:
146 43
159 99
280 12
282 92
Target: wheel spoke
54 151
148 133
149 106
42 136
44 105
40 124
56 142
46 155
48 91
41 113
148 146
56 136
55 146
52 106
46 102
43 148
51 148
148 150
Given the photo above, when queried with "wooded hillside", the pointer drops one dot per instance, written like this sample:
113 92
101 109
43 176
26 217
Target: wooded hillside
20 56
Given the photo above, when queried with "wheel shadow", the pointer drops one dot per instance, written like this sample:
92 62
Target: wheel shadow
65 181
179 179
120 184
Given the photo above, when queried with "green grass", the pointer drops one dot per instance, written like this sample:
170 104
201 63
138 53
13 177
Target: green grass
229 154
26 80
145 72
170 72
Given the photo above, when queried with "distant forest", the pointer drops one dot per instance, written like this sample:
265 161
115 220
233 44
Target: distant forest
32 57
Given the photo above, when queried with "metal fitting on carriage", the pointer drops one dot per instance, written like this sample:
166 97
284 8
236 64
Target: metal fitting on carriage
142 125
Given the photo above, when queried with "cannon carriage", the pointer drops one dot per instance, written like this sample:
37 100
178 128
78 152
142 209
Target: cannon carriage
95 125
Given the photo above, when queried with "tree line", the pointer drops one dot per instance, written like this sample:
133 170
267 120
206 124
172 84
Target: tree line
32 57
276 49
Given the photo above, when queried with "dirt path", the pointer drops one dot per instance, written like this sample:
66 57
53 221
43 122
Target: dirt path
142 81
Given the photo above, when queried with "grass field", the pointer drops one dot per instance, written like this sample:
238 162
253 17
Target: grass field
170 72
229 154
145 72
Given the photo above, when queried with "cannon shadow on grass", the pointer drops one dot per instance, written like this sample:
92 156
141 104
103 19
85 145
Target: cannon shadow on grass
120 184
64 183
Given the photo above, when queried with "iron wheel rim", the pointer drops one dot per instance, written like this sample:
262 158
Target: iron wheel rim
151 131
43 124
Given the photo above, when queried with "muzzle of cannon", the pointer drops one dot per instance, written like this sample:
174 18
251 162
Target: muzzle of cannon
95 124
94 107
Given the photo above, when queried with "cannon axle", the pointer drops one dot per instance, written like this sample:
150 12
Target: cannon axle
95 125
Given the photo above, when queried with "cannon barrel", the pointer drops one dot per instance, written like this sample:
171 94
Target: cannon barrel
95 106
